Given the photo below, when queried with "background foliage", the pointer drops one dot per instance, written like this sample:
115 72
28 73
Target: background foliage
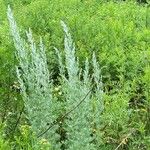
119 34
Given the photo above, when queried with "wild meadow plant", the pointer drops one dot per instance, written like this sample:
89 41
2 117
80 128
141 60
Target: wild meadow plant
86 117
33 77
82 93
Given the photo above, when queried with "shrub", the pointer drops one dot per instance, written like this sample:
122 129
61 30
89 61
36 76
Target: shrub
86 117
33 77
36 90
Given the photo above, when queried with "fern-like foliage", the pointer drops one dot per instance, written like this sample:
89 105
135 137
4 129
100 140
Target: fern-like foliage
33 76
40 104
86 117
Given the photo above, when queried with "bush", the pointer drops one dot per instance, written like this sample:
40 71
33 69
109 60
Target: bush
36 90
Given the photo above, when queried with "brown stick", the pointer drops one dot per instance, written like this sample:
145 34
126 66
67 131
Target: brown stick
124 139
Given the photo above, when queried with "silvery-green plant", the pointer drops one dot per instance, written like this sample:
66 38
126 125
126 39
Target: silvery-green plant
35 84
80 123
36 90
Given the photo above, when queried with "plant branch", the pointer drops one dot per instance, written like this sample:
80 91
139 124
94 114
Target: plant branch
124 139
65 115
17 122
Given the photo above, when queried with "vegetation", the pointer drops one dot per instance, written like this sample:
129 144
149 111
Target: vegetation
83 83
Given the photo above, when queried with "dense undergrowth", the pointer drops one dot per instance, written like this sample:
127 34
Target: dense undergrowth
44 92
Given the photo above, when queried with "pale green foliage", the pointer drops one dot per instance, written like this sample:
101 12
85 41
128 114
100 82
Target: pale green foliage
36 89
34 81
71 65
80 123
